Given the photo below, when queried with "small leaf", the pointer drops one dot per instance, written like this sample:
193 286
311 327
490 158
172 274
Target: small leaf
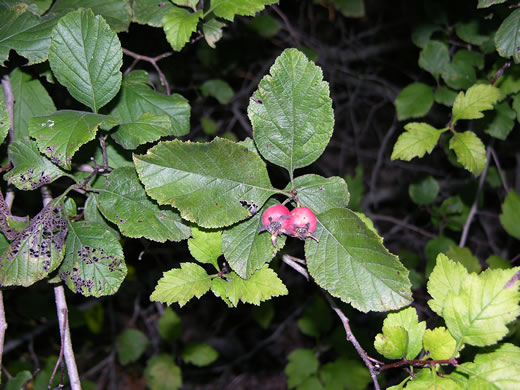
350 8
161 373
150 12
199 354
511 214
351 263
469 32
497 262
355 188
170 327
262 314
434 58
321 194
205 181
187 3
147 128
227 9
470 151
316 319
408 320
212 30
18 382
302 365
131 344
478 98
178 25
499 122
419 138
414 101
507 40
123 201
30 169
422 33
265 25
489 3
181 284
209 126
206 245
291 112
459 74
439 343
464 257
219 89
5 121
424 191
392 343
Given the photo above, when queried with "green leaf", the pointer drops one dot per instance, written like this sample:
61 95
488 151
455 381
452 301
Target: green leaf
263 314
212 30
85 56
511 214
209 126
151 12
499 122
465 257
245 249
302 365
478 98
350 8
227 9
439 343
421 34
218 288
170 326
181 284
30 169
291 112
321 194
495 261
265 25
37 251
426 379
5 121
219 89
316 319
206 245
94 263
489 3
60 135
17 382
459 74
419 138
199 354
392 343
408 320
470 151
351 263
140 110
92 214
187 3
334 375
178 25
507 39
424 191
131 344
355 188
30 99
472 58
434 57
162 373
263 285
205 181
414 101
469 32
94 318
123 201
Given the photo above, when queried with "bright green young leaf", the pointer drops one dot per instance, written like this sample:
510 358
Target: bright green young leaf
85 56
470 151
303 364
464 257
319 193
30 169
489 3
419 138
227 9
212 30
434 57
181 284
424 191
178 25
218 288
60 135
414 101
207 182
30 99
355 188
439 343
446 279
478 98
94 263
408 320
131 344
92 214
245 249
263 285
162 373
511 214
170 326
507 39
425 379
37 251
151 12
5 122
123 201
291 112
499 122
199 354
140 109
265 25
351 263
219 89
206 245
392 343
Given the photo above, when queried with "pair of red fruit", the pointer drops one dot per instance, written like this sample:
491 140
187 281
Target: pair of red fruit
300 222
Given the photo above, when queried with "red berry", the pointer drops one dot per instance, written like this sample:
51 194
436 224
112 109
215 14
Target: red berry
275 220
302 223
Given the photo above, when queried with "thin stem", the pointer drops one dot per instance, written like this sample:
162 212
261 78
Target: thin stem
153 61
419 363
499 168
396 221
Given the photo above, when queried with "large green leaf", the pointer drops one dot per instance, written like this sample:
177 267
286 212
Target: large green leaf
507 39
470 151
478 98
434 57
36 251
141 111
85 56
150 12
30 169
60 135
419 138
178 25
351 263
94 262
245 249
227 9
511 214
291 112
319 193
30 99
207 182
123 201
414 101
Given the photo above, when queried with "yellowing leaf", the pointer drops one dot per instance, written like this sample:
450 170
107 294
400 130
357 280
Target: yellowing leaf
478 98
470 151
419 138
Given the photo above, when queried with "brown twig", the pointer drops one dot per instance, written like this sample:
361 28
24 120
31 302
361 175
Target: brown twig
419 363
499 168
153 61
500 72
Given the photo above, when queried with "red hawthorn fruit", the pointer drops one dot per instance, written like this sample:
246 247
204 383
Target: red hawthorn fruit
275 220
302 223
